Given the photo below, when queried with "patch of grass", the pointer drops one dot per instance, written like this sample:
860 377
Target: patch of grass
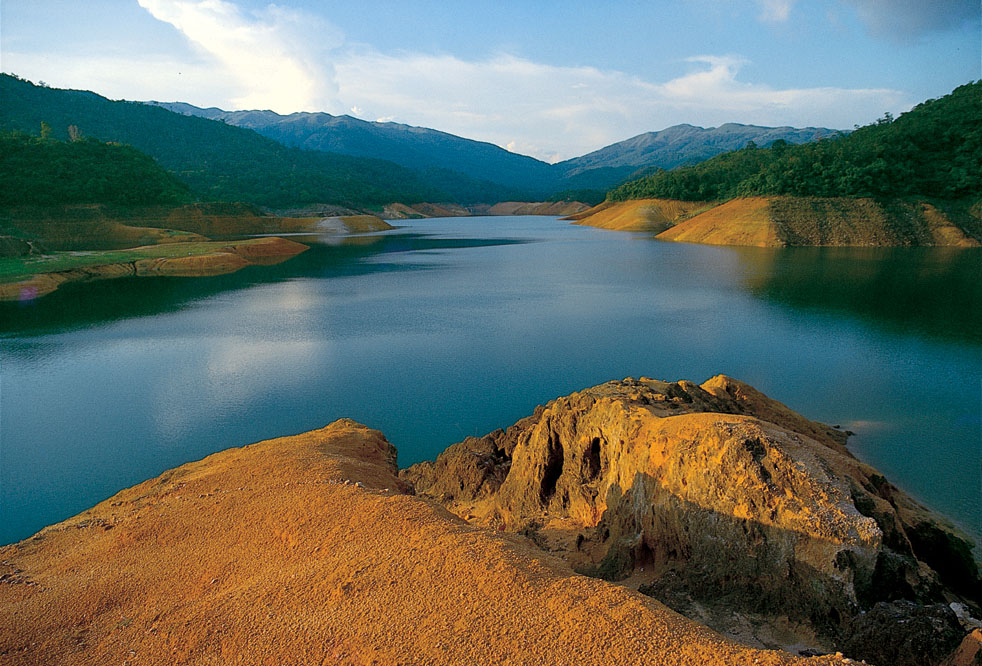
15 269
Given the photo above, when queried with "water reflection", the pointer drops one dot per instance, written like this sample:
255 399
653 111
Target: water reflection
452 328
919 291
81 305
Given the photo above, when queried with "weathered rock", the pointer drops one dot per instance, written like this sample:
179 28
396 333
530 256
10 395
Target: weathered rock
902 633
303 550
968 653
749 505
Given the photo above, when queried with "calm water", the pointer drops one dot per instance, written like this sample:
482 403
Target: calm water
455 327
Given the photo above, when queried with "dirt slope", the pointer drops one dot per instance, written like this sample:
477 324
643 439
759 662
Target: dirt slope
791 221
652 215
304 550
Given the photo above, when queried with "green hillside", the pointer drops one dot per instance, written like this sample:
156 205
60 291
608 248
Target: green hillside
933 150
219 162
44 171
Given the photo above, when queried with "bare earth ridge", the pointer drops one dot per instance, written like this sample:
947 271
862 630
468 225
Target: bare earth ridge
781 221
310 550
305 550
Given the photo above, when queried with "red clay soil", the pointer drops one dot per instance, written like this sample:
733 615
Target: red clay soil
303 550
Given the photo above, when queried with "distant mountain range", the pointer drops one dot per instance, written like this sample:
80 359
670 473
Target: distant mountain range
686 144
423 148
221 162
418 148
279 161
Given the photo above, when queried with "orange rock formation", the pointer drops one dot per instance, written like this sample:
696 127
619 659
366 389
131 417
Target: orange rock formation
304 550
714 498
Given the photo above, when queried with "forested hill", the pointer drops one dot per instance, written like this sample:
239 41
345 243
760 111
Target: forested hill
933 150
219 162
681 145
414 147
45 171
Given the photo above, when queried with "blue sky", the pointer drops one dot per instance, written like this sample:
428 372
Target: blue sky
549 79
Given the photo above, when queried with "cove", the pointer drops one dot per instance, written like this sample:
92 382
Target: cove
452 327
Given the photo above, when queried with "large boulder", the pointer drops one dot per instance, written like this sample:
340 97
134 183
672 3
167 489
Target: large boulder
714 493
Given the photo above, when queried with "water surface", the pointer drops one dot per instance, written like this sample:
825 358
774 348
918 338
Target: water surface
454 327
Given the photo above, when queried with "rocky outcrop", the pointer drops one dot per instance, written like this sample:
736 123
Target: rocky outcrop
714 498
305 550
969 652
902 633
782 221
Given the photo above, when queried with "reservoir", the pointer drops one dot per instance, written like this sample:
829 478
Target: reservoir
445 328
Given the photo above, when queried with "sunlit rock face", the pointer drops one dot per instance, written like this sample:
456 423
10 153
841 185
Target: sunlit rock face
709 497
307 550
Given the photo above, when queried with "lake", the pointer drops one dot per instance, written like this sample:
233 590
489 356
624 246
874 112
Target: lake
445 328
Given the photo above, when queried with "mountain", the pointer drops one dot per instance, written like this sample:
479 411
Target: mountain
933 151
220 162
421 148
414 147
685 144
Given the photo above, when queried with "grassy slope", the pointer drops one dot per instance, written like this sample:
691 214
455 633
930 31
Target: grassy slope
15 269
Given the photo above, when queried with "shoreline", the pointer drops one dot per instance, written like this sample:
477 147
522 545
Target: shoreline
202 259
785 221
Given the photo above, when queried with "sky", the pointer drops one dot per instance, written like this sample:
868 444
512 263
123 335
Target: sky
547 78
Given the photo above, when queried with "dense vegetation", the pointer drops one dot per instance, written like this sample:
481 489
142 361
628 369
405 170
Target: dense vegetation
219 162
45 171
933 150
587 196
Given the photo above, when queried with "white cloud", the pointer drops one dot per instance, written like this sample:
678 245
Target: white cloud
286 61
558 112
276 55
775 11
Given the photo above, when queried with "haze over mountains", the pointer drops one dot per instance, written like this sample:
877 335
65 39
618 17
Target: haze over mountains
422 148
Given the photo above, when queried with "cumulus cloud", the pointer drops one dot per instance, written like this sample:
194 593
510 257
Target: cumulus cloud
278 56
287 61
908 20
775 11
557 112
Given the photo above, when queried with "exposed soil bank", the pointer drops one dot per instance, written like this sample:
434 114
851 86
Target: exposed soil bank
713 499
306 550
99 227
794 221
202 259
399 211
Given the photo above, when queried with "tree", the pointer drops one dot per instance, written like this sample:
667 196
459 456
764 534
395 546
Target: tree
45 130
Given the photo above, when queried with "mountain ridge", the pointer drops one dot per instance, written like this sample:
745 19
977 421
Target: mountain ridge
421 147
